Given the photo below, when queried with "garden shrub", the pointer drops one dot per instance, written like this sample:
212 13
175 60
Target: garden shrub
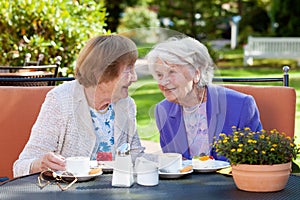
54 28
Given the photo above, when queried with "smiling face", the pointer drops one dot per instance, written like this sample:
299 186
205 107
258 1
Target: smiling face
126 77
106 92
176 81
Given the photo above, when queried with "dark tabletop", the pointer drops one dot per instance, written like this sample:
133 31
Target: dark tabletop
192 186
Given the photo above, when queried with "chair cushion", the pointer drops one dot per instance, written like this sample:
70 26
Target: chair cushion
19 109
276 104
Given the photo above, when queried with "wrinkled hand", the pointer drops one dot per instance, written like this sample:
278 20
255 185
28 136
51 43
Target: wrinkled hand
49 161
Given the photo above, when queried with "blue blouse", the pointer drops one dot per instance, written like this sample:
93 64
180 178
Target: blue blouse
104 130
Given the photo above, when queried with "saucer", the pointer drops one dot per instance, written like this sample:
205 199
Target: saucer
79 177
107 166
173 175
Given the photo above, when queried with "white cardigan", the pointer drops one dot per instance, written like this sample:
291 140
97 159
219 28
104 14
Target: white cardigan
64 126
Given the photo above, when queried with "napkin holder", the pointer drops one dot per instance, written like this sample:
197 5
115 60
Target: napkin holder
123 168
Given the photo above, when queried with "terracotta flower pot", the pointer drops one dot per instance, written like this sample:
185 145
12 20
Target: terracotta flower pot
261 178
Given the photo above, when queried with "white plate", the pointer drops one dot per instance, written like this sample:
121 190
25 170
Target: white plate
107 166
209 166
81 177
173 175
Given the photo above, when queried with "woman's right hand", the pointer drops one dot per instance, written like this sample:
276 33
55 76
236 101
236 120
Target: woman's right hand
51 161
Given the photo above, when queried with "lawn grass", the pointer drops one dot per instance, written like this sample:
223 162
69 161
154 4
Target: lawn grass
146 93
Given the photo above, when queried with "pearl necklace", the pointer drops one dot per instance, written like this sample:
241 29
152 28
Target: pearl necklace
202 98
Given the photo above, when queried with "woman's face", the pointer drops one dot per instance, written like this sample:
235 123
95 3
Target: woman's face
126 77
175 81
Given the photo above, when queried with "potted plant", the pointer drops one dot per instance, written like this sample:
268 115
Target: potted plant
260 161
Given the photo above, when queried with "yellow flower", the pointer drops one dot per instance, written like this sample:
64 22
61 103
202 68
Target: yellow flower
262 136
240 145
283 133
232 150
255 151
239 150
222 135
224 141
263 152
272 149
274 145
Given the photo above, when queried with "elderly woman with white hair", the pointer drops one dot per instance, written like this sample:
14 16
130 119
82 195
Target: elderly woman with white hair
195 111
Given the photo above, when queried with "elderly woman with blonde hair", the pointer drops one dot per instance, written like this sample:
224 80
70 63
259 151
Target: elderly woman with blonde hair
91 116
194 110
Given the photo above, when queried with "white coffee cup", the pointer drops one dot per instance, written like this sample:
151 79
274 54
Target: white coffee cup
170 162
147 172
78 166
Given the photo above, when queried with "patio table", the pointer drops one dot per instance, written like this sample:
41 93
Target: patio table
192 186
10 78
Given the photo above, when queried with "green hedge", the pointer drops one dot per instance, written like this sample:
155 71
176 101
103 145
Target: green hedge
54 28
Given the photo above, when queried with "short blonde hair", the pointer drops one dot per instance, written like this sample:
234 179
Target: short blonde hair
99 59
183 51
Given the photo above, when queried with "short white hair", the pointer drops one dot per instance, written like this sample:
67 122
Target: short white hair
183 51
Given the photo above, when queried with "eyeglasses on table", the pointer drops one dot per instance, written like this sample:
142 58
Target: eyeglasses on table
49 176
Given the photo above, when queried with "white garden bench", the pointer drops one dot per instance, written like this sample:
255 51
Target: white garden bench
272 47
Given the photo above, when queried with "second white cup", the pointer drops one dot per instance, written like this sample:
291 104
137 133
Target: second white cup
147 172
170 162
